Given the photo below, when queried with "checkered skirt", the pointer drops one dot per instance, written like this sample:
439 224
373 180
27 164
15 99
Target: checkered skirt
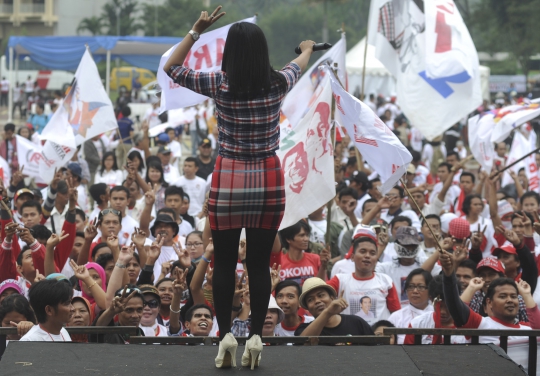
248 194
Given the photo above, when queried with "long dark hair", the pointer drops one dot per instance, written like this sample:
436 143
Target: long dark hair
135 154
105 156
156 165
247 64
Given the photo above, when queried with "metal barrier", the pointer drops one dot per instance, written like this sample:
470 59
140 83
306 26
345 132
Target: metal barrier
309 341
475 334
100 331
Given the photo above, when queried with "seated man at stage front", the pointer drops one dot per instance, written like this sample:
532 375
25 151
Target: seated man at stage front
51 301
321 301
199 321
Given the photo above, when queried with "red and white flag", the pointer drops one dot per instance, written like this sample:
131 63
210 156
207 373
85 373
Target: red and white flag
379 146
510 117
206 55
297 102
307 159
480 130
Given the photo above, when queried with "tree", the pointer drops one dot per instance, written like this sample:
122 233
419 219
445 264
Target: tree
122 11
94 25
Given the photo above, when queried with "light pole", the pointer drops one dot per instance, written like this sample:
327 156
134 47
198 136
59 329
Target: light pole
117 60
155 17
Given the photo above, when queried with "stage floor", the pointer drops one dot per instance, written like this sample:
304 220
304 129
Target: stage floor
27 358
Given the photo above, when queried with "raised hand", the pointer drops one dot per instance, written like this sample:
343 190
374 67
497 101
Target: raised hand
179 284
246 299
461 251
126 254
90 232
166 267
118 304
183 255
39 276
17 177
209 251
205 20
58 175
26 236
242 249
476 283
447 262
138 237
80 271
54 239
150 196
477 237
338 305
447 244
510 235
112 241
239 287
526 222
209 276
73 194
11 228
274 275
22 327
383 238
325 256
524 288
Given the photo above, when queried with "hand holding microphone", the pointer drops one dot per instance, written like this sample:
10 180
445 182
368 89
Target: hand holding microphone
314 46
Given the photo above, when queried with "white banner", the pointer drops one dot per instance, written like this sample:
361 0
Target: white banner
205 56
433 59
296 103
88 108
379 146
510 117
308 162
480 129
524 142
29 155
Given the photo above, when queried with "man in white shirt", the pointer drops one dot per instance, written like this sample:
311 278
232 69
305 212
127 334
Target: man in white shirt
4 91
51 301
119 197
170 171
395 197
164 231
193 185
174 146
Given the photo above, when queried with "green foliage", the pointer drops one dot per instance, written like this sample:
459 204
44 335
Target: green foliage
128 23
94 25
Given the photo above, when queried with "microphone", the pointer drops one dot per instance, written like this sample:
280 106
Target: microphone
316 47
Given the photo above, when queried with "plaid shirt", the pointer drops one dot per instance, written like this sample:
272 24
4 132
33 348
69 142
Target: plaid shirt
248 129
478 298
241 328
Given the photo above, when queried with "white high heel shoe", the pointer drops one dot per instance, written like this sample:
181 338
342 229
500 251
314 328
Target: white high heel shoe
227 352
252 352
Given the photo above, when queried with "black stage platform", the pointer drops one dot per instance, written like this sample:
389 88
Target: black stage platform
27 358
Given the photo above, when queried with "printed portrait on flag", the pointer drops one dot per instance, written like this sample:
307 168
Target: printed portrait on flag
319 136
400 28
296 165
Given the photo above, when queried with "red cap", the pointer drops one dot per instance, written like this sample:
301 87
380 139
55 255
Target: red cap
506 247
359 232
459 228
492 263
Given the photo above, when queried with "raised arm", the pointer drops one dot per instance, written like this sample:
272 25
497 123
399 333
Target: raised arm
117 275
459 311
307 49
196 285
204 22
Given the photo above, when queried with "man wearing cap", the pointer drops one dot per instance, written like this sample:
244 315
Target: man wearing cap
274 316
170 171
204 159
409 258
165 226
324 305
74 171
365 282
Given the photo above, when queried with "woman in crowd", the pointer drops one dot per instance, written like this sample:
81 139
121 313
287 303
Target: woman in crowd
165 289
134 269
135 159
16 311
151 304
195 246
109 172
82 316
156 180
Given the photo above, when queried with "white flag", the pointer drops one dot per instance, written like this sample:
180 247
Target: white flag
40 162
510 117
379 146
307 160
88 108
206 55
480 128
524 142
296 103
432 57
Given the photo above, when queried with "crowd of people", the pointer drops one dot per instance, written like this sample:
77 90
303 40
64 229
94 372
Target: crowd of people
122 237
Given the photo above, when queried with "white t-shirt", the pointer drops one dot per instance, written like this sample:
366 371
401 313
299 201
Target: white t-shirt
29 86
195 188
318 231
385 216
426 321
403 317
399 274
284 331
171 173
156 330
111 178
379 289
82 198
36 334
152 116
345 266
4 86
167 254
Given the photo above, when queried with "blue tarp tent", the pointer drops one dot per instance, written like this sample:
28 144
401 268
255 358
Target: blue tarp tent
65 53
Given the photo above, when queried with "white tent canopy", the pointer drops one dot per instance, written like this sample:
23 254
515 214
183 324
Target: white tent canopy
378 79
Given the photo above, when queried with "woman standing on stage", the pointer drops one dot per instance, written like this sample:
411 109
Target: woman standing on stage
247 183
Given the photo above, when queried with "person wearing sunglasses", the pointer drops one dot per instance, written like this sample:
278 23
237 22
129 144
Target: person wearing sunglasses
151 303
126 309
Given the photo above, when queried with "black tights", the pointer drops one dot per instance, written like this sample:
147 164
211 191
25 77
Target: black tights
259 247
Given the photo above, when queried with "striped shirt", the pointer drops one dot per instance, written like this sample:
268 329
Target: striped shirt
248 129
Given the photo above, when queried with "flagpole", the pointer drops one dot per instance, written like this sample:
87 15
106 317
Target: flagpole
362 92
421 214
332 135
